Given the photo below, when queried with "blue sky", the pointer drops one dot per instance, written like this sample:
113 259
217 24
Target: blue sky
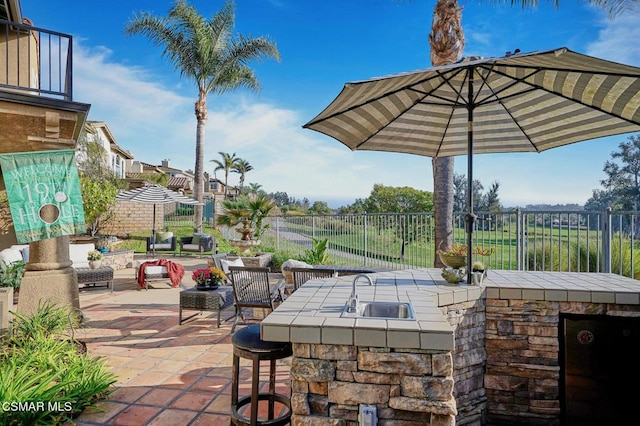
324 44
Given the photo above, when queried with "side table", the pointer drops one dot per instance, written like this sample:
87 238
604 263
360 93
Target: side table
205 300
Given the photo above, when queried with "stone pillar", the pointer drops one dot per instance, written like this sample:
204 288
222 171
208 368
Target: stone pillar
48 276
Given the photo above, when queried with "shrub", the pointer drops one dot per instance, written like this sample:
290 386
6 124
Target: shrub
318 254
40 361
12 274
279 257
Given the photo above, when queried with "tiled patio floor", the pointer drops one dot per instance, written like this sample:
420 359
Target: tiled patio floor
168 374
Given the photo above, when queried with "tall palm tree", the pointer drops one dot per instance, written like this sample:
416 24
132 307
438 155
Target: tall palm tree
447 43
242 167
254 188
207 52
228 163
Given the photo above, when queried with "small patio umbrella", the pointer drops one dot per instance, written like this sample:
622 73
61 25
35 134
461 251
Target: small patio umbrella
154 194
527 102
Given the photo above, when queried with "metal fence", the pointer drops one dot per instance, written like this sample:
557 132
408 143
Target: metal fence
584 241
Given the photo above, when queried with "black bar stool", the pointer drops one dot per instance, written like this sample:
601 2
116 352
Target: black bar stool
247 344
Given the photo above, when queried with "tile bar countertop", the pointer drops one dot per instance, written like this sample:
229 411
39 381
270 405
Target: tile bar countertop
313 313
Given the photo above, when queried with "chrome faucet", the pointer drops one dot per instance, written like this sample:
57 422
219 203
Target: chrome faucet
353 299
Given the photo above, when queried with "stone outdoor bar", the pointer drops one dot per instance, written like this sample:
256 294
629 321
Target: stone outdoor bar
491 354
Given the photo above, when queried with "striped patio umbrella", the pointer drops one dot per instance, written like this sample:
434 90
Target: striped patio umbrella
525 102
154 194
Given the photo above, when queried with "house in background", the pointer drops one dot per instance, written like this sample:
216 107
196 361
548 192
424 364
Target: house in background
179 180
116 158
217 187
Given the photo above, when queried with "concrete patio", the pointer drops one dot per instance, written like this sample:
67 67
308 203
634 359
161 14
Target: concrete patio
168 374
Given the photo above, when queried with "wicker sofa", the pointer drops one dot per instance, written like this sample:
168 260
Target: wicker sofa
77 254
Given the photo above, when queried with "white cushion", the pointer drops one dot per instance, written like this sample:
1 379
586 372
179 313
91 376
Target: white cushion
292 263
8 256
161 246
78 254
155 270
25 254
226 263
192 247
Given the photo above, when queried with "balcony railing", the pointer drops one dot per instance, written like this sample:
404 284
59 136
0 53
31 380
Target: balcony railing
35 61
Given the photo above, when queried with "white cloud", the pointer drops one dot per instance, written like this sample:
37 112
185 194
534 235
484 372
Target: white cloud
155 122
617 40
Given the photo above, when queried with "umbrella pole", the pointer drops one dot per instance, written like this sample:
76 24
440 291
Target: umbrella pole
153 231
469 217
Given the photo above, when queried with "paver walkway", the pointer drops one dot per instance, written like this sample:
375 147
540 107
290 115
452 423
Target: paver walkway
168 374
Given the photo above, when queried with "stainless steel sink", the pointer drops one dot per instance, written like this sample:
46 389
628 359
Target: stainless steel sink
388 310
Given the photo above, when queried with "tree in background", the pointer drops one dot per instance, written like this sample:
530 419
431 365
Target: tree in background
280 198
491 200
622 185
98 184
623 174
207 52
388 199
242 167
97 199
254 188
320 207
228 163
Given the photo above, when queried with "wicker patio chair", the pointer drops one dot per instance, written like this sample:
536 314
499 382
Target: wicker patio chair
251 289
302 275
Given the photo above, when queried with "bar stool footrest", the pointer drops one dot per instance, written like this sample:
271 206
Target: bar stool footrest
239 419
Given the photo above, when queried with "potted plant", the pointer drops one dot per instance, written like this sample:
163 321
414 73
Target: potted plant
454 256
102 245
479 272
453 275
208 278
95 259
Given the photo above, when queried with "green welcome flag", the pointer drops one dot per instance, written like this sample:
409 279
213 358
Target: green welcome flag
44 195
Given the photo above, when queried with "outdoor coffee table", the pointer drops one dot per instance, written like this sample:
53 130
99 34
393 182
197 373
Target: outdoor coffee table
205 300
91 277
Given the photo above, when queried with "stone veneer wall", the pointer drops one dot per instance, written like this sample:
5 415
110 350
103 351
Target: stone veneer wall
523 367
412 388
120 259
469 360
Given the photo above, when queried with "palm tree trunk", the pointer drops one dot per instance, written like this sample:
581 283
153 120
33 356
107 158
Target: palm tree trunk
442 204
198 190
447 42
